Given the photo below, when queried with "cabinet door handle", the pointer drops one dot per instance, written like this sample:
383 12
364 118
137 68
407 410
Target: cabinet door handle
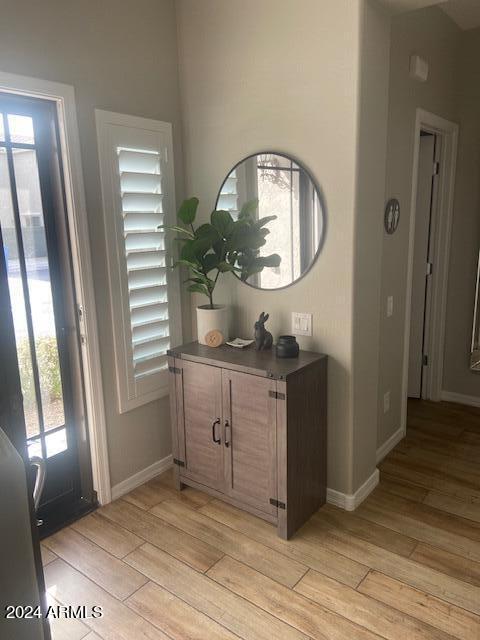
227 440
216 441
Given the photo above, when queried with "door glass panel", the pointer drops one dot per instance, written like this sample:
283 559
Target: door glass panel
17 300
56 442
21 129
2 129
39 285
35 448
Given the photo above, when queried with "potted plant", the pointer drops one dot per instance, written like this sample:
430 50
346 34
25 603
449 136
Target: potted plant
220 246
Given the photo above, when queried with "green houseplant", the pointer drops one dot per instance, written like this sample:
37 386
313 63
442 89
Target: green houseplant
220 246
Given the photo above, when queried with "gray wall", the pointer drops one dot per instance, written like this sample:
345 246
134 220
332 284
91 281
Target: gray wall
120 56
432 35
266 75
457 376
371 159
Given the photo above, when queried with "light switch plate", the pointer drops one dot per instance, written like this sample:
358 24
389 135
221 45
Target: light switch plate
301 324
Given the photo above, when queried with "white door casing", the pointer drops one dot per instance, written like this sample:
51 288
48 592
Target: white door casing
447 131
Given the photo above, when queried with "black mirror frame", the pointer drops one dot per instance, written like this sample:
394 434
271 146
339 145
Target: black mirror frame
321 200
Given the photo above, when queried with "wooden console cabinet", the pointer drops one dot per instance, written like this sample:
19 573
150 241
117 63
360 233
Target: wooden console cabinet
250 429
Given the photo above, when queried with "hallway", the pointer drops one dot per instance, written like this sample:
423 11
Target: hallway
405 564
440 455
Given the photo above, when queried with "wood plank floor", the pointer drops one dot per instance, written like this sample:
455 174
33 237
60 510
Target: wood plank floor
182 566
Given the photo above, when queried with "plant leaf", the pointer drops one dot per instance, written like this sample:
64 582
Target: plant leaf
272 260
198 288
263 221
188 210
208 232
193 250
248 209
210 284
245 239
193 266
184 263
186 252
178 229
222 221
210 261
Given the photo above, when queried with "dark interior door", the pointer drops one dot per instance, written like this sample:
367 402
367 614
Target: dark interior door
422 256
36 275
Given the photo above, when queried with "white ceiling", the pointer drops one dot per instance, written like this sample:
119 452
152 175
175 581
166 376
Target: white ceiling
466 13
402 6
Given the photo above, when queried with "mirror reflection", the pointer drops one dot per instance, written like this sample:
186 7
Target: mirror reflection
284 189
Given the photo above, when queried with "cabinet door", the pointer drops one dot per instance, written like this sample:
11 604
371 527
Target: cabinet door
250 447
202 414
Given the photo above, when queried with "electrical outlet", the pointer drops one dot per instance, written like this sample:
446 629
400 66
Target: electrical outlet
386 402
389 306
301 324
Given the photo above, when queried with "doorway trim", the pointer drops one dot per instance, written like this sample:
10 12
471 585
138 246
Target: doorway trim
448 132
64 97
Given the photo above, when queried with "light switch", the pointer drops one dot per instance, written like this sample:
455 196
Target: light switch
389 306
301 324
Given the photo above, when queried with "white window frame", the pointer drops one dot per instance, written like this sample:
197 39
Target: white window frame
113 130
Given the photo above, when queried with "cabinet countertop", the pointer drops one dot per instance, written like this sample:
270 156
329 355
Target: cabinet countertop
248 360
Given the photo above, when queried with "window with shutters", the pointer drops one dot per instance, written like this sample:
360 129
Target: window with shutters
136 169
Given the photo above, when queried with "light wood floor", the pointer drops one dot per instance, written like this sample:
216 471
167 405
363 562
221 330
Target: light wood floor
404 566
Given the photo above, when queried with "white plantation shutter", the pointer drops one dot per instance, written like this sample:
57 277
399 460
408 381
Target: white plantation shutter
239 187
136 166
141 189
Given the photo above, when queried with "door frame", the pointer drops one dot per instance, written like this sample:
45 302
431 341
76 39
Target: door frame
447 131
64 97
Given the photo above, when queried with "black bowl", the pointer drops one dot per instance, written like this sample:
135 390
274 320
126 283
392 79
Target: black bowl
287 347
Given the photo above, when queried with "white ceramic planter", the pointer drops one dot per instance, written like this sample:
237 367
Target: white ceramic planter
210 319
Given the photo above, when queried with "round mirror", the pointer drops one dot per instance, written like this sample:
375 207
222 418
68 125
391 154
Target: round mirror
285 189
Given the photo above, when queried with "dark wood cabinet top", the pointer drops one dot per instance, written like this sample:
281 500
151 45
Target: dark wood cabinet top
260 363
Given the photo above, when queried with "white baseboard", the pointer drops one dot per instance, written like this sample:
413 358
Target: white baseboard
460 398
384 449
351 501
142 476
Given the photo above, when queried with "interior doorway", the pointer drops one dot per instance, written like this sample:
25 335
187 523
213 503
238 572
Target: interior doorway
431 206
424 262
38 299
